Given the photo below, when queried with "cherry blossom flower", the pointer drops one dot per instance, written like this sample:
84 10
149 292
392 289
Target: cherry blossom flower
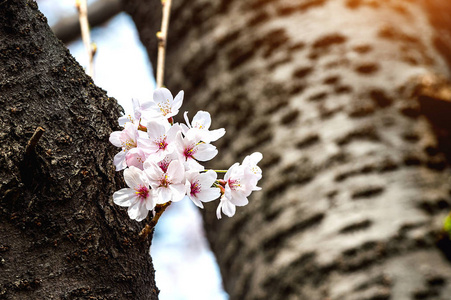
168 183
160 140
238 185
126 139
138 196
191 150
239 182
200 125
136 157
163 104
199 187
132 118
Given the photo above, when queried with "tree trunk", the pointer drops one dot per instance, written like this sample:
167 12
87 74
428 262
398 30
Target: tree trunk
61 237
355 178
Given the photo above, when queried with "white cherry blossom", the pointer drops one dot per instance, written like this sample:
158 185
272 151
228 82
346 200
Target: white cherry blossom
238 185
160 138
191 150
200 125
168 183
163 105
126 139
138 196
133 118
199 187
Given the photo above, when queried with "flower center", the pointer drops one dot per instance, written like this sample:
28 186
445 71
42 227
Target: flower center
234 184
165 107
142 192
165 182
162 144
129 143
164 164
195 188
189 152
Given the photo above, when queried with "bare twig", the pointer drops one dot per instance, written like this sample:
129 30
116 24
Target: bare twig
82 8
162 38
67 29
159 209
34 140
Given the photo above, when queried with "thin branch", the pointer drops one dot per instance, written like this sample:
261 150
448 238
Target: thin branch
67 29
162 38
159 210
82 8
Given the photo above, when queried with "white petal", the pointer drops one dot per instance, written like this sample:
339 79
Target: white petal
138 211
115 138
153 171
205 152
208 178
239 200
124 197
202 120
164 195
178 191
184 128
214 135
172 132
157 130
119 161
176 171
230 171
228 208
185 116
209 194
218 210
132 177
178 100
162 95
256 157
196 202
124 119
193 165
151 200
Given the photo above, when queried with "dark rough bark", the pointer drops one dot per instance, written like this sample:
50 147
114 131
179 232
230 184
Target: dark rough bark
61 237
356 180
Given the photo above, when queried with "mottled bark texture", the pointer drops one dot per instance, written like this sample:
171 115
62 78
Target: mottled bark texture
61 237
356 182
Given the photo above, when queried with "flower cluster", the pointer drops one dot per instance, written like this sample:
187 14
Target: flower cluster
162 160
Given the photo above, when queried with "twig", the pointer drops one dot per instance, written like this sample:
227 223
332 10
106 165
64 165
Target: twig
68 29
34 140
162 38
159 209
82 8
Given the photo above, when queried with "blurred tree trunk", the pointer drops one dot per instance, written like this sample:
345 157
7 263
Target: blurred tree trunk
61 237
356 178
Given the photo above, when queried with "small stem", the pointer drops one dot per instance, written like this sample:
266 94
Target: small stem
162 37
34 140
82 8
220 171
159 210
